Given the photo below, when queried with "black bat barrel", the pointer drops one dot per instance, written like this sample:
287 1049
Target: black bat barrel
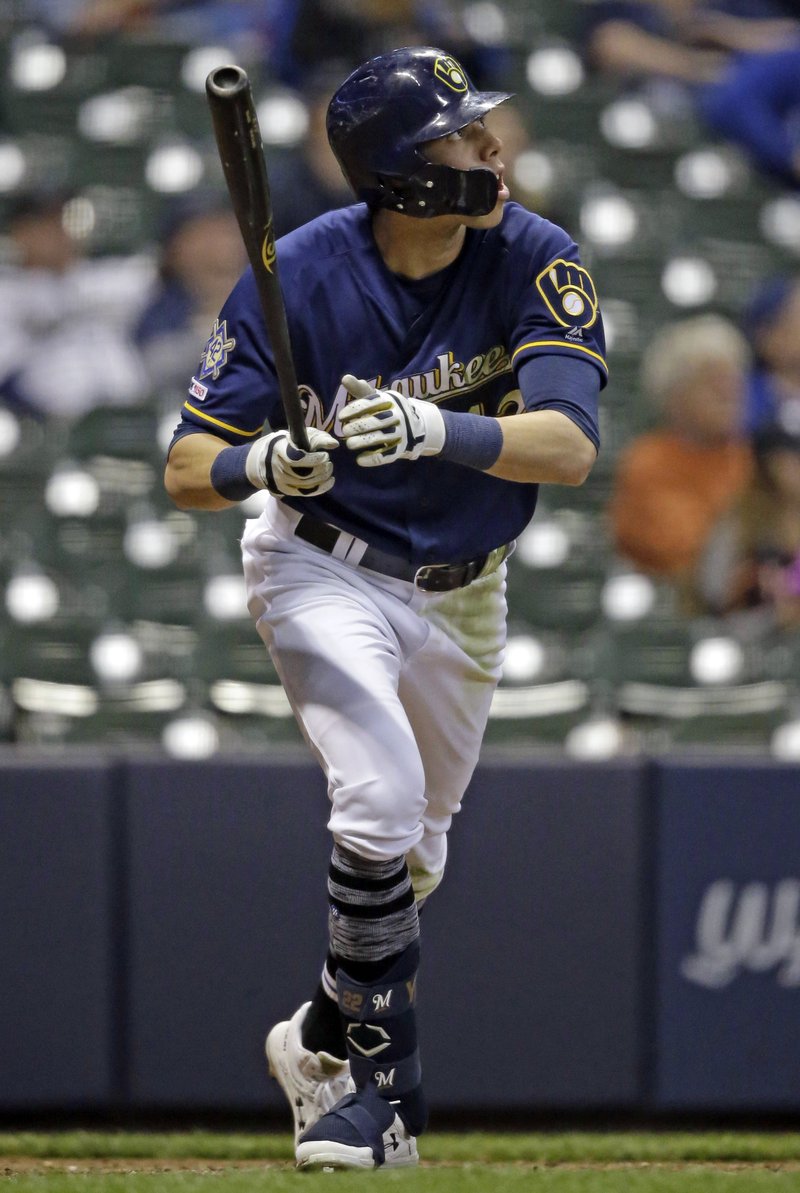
238 138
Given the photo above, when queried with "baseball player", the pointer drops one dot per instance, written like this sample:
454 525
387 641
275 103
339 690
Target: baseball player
449 353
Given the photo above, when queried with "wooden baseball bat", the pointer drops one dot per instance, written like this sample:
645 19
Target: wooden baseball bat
238 138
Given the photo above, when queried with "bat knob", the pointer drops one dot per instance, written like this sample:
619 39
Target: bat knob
226 81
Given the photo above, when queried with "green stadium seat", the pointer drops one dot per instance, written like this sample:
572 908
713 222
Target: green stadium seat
118 432
563 598
658 689
241 684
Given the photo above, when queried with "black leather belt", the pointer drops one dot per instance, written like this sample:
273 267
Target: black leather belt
431 577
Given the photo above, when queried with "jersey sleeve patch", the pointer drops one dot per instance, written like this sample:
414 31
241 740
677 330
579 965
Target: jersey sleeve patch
569 294
216 352
559 313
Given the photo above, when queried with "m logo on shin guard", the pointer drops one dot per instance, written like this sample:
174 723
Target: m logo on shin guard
384 1080
381 1001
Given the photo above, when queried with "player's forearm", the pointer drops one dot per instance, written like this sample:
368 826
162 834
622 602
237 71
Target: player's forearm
543 446
187 478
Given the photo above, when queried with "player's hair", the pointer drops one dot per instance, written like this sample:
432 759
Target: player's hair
680 348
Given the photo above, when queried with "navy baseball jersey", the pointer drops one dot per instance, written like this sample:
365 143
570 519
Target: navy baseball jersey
456 338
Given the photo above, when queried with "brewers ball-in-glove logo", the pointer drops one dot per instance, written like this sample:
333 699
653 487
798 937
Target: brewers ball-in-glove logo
450 72
569 294
215 356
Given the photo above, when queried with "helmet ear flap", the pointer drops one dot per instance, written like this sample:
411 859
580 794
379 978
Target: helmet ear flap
439 190
444 190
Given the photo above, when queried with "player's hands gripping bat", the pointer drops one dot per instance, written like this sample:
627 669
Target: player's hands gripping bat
381 425
277 464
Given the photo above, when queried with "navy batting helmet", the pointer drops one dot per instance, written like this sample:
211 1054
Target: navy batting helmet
386 109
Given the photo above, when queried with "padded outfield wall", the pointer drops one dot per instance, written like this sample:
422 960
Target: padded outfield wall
619 936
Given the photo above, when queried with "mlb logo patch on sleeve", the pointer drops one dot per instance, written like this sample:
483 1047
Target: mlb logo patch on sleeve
197 390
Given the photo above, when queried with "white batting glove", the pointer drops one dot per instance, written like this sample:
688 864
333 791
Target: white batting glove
381 425
275 463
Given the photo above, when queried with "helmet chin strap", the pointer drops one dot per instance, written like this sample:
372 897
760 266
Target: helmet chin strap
441 190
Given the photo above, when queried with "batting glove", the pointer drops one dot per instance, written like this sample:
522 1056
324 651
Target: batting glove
275 463
381 425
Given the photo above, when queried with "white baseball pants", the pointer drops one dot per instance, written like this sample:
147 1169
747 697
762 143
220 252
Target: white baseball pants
391 687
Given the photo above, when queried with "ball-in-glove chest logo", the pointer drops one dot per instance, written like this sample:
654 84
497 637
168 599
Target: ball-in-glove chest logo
569 293
451 73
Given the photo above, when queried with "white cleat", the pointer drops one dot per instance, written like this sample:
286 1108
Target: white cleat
313 1083
399 1145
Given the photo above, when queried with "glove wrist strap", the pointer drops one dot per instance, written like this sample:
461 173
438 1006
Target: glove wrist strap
435 434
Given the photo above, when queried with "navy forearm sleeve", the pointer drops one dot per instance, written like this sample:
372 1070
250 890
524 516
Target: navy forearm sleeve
563 383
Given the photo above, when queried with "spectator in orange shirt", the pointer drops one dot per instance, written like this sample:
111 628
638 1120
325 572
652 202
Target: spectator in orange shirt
674 482
751 565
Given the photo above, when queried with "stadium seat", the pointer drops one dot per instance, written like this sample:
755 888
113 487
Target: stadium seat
241 685
543 693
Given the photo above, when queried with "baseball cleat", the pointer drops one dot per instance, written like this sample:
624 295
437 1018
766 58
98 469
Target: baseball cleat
353 1135
399 1145
312 1081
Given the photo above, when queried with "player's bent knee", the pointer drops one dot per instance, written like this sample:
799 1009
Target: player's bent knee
365 843
376 820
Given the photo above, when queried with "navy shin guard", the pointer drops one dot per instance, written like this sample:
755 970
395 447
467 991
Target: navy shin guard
381 1034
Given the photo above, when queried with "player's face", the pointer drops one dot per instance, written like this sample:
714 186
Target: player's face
472 147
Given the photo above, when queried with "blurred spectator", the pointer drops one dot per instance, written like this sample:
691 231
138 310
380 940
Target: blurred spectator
752 561
352 31
192 20
738 62
755 101
66 317
741 25
201 259
639 39
675 482
772 323
688 40
308 181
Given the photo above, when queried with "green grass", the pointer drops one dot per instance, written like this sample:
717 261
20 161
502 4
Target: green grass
574 1147
493 1180
571 1162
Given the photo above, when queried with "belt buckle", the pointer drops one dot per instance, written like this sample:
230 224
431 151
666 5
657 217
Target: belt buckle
427 573
425 576
444 577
